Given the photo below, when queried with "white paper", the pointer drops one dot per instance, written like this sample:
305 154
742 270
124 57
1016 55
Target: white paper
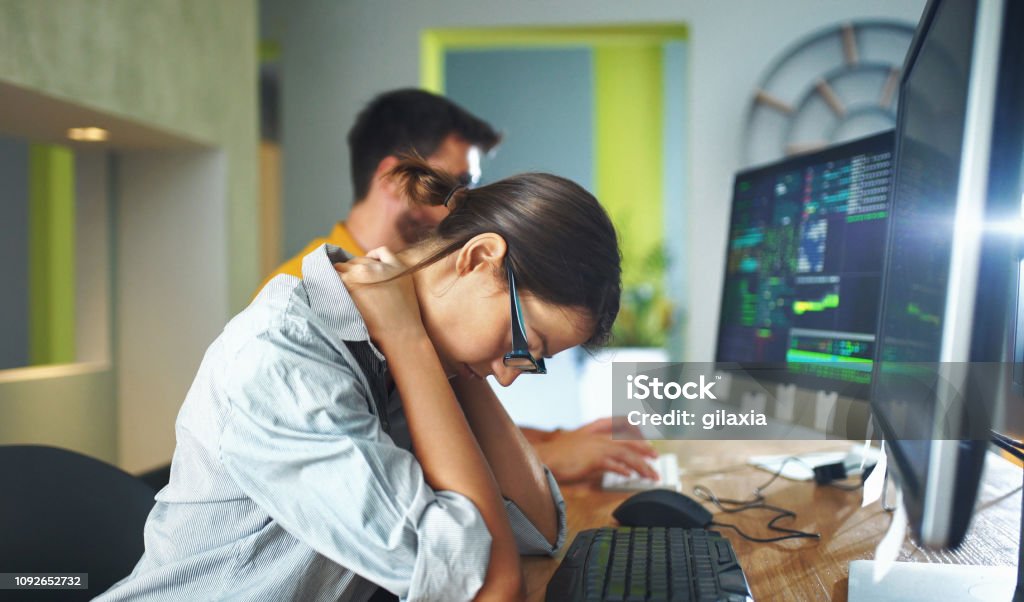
785 402
864 458
800 469
859 457
825 403
876 480
888 549
753 402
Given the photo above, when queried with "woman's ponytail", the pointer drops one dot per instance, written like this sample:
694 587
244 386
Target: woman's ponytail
421 184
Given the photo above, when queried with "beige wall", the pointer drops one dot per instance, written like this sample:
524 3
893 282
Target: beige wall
70 406
187 68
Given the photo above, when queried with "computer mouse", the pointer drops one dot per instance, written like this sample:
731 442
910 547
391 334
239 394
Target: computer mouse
662 508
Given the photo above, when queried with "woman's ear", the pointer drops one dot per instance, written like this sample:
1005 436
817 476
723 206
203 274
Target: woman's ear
483 251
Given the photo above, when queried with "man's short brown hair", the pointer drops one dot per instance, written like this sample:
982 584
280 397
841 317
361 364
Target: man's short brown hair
409 121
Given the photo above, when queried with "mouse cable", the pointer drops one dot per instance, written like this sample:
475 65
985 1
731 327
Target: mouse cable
792 533
757 501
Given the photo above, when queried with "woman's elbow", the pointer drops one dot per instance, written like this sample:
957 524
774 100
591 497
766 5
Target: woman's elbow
502 589
504 580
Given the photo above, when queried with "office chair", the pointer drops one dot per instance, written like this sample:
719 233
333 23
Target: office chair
158 478
63 512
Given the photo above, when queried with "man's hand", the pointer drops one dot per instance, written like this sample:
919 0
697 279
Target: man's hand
586 453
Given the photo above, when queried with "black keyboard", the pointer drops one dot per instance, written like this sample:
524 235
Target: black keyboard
640 564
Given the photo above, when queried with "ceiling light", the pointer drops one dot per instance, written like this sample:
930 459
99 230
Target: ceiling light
89 134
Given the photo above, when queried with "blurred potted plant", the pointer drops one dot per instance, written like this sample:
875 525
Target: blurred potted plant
645 317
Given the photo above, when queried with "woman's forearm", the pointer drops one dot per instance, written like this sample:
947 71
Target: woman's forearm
535 436
513 461
450 456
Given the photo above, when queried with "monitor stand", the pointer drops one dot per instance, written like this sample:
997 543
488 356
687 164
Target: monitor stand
913 581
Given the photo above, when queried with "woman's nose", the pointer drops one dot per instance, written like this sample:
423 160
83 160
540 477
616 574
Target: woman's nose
503 374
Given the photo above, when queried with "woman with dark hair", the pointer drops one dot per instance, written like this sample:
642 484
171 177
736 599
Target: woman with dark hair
340 434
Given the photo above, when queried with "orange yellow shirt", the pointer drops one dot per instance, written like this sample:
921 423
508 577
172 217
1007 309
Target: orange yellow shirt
339 237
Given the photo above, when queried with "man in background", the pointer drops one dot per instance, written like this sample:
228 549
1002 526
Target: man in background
451 139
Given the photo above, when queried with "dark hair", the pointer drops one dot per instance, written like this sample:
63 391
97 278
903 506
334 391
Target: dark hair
562 246
409 121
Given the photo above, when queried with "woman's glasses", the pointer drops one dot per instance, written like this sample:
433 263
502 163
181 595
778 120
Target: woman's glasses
520 358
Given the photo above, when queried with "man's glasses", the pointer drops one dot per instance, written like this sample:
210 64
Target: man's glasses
466 179
520 358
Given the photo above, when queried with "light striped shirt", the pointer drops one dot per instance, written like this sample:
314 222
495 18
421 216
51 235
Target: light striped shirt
293 479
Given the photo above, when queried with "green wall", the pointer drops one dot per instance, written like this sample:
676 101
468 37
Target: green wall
628 144
628 138
51 277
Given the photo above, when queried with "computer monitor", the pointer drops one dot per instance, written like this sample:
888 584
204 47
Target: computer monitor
804 267
946 336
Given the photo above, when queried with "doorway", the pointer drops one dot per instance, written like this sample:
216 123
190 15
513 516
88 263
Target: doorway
605 107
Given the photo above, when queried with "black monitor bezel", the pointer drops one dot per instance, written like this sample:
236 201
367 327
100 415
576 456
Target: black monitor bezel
970 453
914 500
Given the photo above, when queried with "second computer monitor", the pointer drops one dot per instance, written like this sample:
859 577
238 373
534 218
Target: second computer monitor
804 266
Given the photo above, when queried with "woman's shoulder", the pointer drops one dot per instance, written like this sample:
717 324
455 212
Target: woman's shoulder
280 314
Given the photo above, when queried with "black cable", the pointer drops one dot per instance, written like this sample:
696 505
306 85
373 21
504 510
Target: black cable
1011 449
1009 441
997 436
757 501
795 535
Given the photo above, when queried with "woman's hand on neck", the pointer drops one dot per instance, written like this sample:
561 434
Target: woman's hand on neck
388 305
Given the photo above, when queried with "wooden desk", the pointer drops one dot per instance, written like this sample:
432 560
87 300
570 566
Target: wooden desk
802 569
